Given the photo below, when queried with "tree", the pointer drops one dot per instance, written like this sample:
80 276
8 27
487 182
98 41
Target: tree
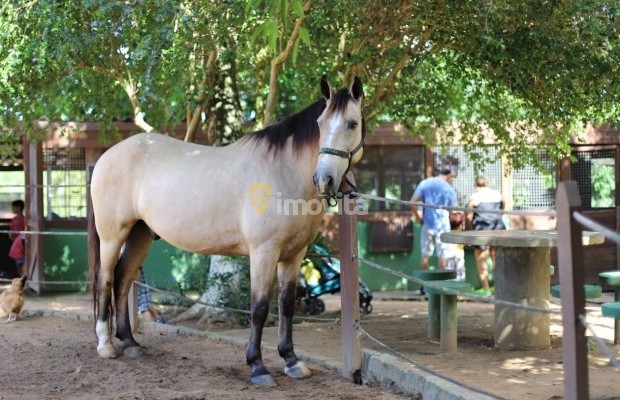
530 72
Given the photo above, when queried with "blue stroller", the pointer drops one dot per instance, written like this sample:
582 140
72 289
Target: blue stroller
320 274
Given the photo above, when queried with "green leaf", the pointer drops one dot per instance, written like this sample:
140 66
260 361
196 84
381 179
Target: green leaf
257 32
305 36
273 7
297 8
284 13
252 5
295 50
271 34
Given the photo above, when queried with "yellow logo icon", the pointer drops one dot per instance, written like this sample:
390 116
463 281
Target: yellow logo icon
260 195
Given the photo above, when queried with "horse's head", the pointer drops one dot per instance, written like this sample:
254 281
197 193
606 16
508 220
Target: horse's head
342 129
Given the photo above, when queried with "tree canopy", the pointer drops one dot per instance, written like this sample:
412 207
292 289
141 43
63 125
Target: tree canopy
530 72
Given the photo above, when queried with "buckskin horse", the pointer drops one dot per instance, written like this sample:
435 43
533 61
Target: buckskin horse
219 200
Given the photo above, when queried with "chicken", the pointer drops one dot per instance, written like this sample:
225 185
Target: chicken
12 299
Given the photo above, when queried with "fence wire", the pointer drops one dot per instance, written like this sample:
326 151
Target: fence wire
550 213
434 285
181 297
48 233
421 366
604 348
42 186
595 226
230 309
50 282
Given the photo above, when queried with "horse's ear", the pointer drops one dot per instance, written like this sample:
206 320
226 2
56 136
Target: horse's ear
326 90
356 89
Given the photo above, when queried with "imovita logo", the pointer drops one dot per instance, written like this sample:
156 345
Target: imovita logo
260 195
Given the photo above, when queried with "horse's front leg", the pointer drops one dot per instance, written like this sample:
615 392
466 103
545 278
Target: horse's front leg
262 266
288 273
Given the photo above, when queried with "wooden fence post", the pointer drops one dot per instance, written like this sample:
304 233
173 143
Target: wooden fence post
349 295
570 259
33 164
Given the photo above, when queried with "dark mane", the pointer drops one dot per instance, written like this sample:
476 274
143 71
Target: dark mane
302 126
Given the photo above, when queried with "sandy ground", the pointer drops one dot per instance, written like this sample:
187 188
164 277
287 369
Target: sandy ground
518 375
55 358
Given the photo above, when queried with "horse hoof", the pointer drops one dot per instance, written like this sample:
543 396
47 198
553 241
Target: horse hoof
263 380
298 371
107 351
132 352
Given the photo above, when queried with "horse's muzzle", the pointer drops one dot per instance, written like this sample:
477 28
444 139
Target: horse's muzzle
325 184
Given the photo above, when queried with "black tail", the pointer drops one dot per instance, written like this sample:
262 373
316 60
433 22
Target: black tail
94 259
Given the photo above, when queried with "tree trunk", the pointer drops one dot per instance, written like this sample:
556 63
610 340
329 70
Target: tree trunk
216 294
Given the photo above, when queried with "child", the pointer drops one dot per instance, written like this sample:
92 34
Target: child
18 224
455 253
145 308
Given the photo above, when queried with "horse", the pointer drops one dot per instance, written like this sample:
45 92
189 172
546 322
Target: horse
220 200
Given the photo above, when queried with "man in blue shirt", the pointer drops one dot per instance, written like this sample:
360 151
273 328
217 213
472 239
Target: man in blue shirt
436 191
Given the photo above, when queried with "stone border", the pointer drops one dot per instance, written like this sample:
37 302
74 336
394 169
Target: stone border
389 372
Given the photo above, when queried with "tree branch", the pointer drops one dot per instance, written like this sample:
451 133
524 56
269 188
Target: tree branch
276 66
104 71
193 117
138 117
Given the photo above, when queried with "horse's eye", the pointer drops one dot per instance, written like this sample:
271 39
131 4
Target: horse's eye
352 124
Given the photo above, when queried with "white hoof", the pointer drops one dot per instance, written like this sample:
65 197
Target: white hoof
106 351
298 371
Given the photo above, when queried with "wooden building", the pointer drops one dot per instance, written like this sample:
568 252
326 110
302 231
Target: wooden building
393 164
57 170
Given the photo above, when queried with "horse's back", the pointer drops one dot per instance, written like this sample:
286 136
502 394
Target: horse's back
196 197
184 192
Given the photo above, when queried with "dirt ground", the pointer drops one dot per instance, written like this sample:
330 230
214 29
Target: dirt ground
55 358
518 375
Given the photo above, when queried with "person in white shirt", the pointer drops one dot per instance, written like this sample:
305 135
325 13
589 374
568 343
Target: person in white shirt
485 198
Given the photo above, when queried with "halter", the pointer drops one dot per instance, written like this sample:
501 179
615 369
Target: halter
349 156
343 154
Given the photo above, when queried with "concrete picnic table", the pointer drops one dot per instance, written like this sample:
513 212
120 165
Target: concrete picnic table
521 276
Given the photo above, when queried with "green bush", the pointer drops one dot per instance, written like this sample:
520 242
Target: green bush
190 270
603 186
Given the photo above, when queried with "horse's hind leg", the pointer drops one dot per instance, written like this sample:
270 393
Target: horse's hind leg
105 279
288 273
262 266
134 252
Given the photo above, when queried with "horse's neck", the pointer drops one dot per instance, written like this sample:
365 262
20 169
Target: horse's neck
297 167
302 165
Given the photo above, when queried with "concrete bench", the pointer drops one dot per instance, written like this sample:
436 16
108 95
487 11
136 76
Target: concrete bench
433 299
612 278
612 310
449 315
591 291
